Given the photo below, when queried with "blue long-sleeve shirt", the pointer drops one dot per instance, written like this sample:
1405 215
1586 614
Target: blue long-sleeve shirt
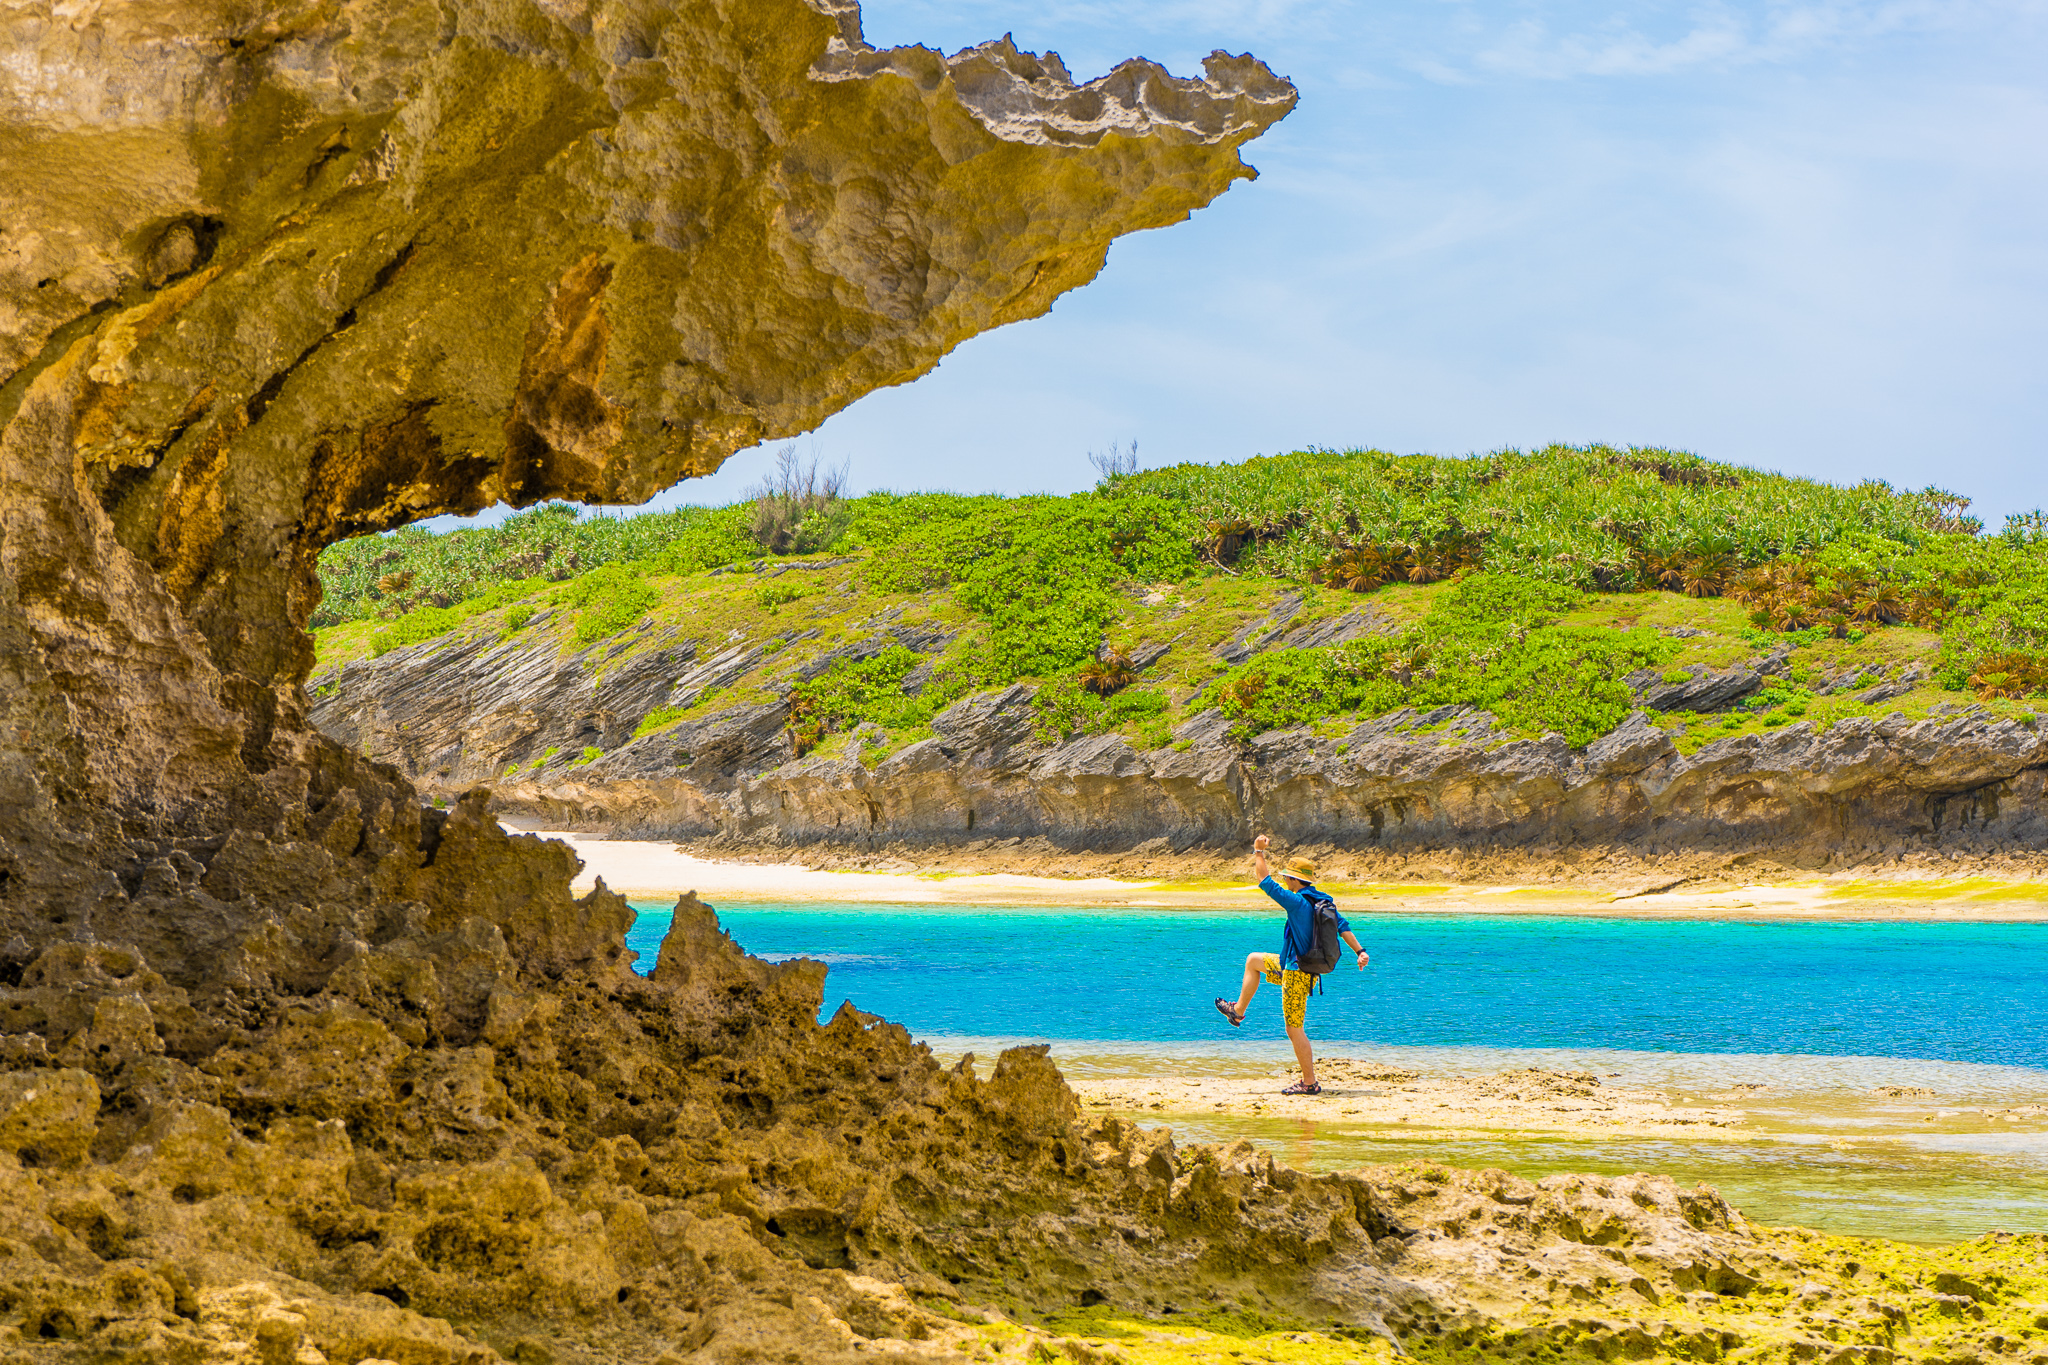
1301 921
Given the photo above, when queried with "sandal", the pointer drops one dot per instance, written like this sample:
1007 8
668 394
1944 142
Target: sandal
1229 1011
1312 1088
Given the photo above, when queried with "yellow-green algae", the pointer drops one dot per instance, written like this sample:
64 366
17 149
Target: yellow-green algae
1838 1300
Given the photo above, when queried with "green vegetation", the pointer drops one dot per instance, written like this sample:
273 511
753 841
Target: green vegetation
869 691
608 600
385 577
1492 641
428 623
1529 585
1067 707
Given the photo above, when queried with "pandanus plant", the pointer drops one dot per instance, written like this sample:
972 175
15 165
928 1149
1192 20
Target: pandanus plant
1246 688
2010 676
1359 569
806 726
1705 574
1109 673
1443 557
1754 587
1226 538
1927 607
1880 603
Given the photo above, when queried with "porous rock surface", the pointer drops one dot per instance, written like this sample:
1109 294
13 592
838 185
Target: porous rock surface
458 711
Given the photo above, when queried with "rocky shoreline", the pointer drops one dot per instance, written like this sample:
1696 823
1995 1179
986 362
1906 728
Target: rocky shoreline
1879 791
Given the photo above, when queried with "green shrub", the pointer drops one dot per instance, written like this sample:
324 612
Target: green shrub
1589 516
547 543
1153 734
708 540
870 690
416 627
775 596
1040 571
1491 643
1137 704
517 617
1065 708
607 601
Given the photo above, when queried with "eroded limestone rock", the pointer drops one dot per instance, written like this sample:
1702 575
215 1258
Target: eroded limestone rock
291 1067
273 276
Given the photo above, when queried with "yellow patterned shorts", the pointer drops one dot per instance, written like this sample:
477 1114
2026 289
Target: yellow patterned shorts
1293 990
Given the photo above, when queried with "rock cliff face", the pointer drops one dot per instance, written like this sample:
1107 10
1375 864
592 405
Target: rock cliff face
287 1060
452 714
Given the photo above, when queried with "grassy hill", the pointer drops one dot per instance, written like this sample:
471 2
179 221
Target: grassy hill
1303 589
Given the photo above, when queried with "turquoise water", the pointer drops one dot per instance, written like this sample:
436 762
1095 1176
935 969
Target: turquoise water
1957 992
1821 1012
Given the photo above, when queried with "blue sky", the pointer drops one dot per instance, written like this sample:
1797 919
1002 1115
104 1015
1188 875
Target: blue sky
1809 235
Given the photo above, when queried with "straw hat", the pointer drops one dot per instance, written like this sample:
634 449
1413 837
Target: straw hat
1301 869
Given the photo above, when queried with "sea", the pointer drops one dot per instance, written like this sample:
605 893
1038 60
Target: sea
1822 1013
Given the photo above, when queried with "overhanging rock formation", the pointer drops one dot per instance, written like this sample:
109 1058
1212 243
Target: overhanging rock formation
272 276
276 274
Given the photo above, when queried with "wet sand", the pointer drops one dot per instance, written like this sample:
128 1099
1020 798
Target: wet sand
1363 1095
1920 1151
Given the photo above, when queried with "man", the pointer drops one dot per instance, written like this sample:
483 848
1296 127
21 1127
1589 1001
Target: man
1294 891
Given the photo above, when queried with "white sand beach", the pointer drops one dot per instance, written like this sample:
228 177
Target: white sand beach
659 870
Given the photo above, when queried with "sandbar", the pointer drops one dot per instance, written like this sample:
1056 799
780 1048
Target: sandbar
1366 1098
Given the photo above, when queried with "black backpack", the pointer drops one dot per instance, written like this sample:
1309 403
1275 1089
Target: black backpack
1325 948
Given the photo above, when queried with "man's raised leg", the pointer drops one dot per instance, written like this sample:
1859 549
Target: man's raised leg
1254 969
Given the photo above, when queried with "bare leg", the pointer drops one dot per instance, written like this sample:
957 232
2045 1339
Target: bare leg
1254 967
1302 1054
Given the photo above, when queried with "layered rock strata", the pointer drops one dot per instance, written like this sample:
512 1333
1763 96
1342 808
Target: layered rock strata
456 712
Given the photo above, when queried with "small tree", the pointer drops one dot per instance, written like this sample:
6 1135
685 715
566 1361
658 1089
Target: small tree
799 508
1120 463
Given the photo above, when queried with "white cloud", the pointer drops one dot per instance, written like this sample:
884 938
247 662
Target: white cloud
1644 38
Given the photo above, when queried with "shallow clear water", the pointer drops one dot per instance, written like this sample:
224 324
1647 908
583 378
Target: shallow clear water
1821 1012
1966 992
